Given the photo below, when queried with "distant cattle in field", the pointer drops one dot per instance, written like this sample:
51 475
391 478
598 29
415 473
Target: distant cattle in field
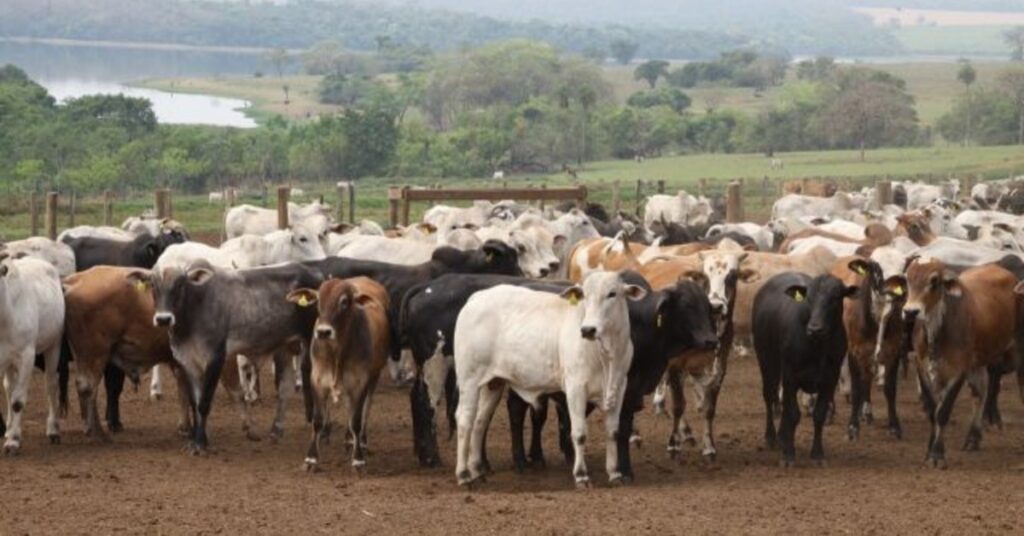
216 197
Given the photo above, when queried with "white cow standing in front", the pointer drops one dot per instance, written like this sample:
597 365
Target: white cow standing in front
31 323
539 343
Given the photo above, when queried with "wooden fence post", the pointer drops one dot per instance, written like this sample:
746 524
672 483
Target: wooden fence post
51 215
883 193
969 181
342 190
639 195
108 208
229 196
394 196
34 212
162 202
406 204
265 193
734 202
543 186
661 186
71 209
702 186
616 196
283 194
581 199
764 191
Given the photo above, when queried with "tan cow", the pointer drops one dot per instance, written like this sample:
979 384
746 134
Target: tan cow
962 325
350 347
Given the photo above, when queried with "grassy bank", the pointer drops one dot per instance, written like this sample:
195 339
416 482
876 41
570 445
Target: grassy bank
678 172
265 93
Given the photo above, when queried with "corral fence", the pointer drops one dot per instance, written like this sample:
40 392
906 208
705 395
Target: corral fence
739 199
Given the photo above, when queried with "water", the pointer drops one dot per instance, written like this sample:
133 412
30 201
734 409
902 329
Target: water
72 71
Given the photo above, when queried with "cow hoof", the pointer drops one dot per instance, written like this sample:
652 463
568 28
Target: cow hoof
869 418
787 464
637 441
538 462
11 449
276 433
311 465
359 467
617 481
184 431
935 462
690 441
896 432
709 456
971 444
251 436
583 482
115 427
156 397
821 462
54 439
852 433
195 449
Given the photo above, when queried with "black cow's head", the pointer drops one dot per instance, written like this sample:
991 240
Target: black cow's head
684 312
493 257
824 297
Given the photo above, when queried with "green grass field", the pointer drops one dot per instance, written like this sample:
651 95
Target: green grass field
954 40
679 172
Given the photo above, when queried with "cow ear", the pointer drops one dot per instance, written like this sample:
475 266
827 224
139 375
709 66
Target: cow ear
200 276
850 291
471 226
427 228
304 297
340 228
491 250
1019 289
952 283
698 277
152 250
896 286
139 278
559 241
574 294
635 292
797 292
749 275
859 266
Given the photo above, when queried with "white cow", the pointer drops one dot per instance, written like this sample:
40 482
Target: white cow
153 226
498 175
31 323
449 217
216 197
575 226
384 249
797 205
296 244
681 208
536 259
107 232
762 235
59 254
920 195
578 343
247 219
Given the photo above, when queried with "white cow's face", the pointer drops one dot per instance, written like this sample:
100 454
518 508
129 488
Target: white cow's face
723 272
603 296
531 260
303 244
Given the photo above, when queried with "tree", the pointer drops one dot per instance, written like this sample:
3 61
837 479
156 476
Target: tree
870 110
280 59
994 120
967 75
1012 82
666 96
595 54
1014 37
651 71
623 50
816 70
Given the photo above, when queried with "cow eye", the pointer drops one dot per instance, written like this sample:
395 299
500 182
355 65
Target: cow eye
586 223
303 240
611 294
521 249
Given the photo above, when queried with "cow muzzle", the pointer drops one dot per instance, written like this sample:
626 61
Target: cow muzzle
910 314
324 332
163 320
815 331
588 332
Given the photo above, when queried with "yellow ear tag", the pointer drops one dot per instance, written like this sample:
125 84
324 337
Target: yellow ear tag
897 291
140 286
659 321
573 300
859 269
303 302
798 296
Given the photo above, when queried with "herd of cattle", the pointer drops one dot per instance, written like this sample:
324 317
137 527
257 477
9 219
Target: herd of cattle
572 305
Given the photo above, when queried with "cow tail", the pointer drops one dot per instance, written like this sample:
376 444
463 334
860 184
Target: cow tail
63 373
402 329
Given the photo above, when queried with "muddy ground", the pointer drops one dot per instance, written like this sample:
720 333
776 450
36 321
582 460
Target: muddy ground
143 482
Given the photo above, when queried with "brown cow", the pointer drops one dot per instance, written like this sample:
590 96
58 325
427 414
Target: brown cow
875 235
349 349
874 335
962 325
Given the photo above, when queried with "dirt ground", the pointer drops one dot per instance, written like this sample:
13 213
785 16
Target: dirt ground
143 482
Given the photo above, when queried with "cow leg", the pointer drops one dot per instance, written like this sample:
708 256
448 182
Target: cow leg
297 371
856 396
205 401
659 396
234 382
991 415
612 433
284 382
16 383
564 428
465 417
113 380
52 359
490 396
674 382
88 373
787 425
822 406
321 415
709 385
626 416
185 421
891 380
576 400
156 388
770 395
424 424
517 409
356 402
943 409
305 373
978 381
538 417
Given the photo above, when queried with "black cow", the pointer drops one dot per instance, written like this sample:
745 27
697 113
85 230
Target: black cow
213 314
800 340
427 327
140 252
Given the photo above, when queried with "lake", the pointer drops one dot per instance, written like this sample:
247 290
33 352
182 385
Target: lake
74 70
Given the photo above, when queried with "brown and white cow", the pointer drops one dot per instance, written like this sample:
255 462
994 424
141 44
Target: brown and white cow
962 325
349 349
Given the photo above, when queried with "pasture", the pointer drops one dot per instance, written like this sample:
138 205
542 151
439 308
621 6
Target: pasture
143 482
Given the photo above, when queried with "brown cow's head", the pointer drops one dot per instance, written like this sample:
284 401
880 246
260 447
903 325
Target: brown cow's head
915 226
928 284
336 299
